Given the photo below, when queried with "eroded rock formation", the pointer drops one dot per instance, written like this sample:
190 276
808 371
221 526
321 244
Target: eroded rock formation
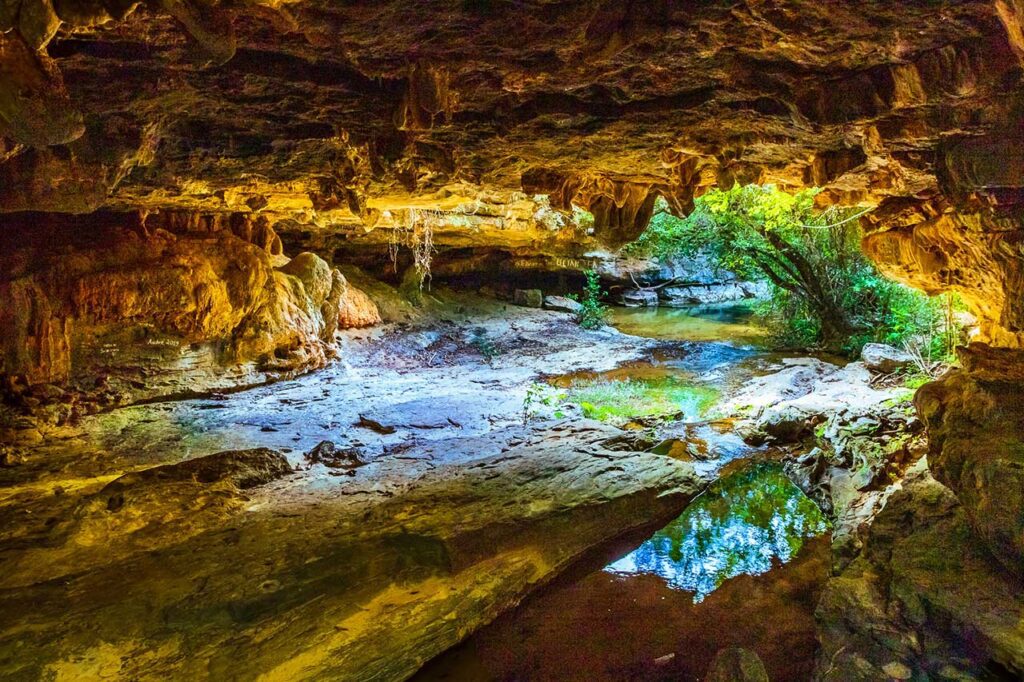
975 423
925 600
338 120
101 311
151 153
343 119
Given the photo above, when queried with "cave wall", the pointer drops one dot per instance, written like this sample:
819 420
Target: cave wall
151 153
352 123
114 308
340 121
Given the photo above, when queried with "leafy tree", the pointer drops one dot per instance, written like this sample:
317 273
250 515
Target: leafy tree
826 292
800 251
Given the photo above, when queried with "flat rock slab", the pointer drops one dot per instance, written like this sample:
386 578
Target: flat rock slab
322 577
424 413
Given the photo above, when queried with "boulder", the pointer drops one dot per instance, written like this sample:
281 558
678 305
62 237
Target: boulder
786 422
562 304
528 298
923 600
356 310
640 298
885 359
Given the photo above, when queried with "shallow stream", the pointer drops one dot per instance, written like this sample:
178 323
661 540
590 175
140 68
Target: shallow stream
743 565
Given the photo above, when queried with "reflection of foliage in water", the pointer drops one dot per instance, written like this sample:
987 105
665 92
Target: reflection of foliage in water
733 324
742 524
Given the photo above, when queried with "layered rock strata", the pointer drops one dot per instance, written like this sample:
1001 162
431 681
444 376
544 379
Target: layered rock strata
365 576
112 309
976 445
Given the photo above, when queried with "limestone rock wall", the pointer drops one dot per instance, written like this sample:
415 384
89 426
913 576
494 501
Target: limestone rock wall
111 309
976 445
348 119
978 256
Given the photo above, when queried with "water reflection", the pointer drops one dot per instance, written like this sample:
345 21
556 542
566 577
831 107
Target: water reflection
744 524
734 324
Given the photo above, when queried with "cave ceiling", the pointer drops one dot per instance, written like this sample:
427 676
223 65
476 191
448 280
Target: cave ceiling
335 113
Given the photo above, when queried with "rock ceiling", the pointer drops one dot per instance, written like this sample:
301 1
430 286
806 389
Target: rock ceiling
338 114
346 107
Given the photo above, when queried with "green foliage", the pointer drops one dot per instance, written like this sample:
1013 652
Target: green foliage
539 396
583 218
592 314
484 345
825 291
667 236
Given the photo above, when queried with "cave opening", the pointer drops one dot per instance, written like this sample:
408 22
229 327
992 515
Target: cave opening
511 340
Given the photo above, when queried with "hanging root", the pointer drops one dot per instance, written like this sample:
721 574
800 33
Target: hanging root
417 233
423 251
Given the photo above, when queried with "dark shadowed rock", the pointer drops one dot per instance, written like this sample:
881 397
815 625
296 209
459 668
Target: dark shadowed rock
924 600
333 457
737 665
242 468
975 421
529 298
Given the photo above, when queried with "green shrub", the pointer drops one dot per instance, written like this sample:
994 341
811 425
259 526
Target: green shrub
484 344
593 312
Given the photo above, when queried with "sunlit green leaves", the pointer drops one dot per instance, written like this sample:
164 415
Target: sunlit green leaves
825 291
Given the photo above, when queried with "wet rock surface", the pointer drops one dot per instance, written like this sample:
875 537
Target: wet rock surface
303 559
787 405
414 554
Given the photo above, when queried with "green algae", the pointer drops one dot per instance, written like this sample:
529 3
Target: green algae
616 400
731 324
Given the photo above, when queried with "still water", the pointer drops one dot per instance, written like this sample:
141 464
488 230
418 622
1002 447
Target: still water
742 566
734 324
746 523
